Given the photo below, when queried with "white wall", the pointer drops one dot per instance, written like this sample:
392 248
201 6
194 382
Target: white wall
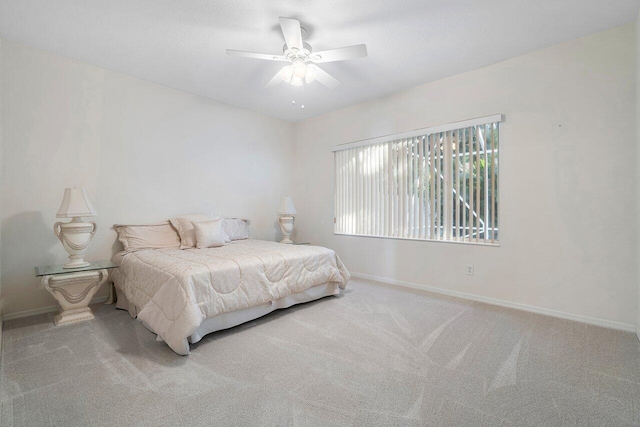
1 300
568 181
143 151
638 157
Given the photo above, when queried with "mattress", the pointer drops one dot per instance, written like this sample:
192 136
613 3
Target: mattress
177 290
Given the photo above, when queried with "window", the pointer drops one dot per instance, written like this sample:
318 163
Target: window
439 183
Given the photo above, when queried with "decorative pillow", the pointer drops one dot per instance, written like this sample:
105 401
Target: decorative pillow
185 228
209 234
149 236
236 229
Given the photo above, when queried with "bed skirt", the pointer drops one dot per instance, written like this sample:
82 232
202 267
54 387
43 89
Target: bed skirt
235 318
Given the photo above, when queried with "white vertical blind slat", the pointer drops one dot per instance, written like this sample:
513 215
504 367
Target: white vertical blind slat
379 191
374 199
338 192
471 184
409 190
432 184
496 179
421 188
407 187
343 197
367 190
413 193
387 204
361 218
448 186
396 186
492 185
369 179
355 184
464 183
485 218
416 185
339 219
439 186
403 187
381 180
478 207
416 194
456 160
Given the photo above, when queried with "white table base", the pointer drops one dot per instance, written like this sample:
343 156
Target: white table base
74 291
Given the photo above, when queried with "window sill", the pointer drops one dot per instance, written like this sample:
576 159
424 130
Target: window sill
493 245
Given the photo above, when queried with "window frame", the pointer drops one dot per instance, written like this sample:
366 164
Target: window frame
455 126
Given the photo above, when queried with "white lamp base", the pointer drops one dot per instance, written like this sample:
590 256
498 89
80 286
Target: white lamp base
286 226
75 236
76 262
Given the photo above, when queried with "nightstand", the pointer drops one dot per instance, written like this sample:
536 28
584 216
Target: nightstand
73 288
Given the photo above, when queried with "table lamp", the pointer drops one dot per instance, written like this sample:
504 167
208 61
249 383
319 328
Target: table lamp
75 235
286 211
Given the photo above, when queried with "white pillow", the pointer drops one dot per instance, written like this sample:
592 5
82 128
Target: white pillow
147 236
209 234
236 228
185 228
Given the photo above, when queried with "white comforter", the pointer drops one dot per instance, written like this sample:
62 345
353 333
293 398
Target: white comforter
177 289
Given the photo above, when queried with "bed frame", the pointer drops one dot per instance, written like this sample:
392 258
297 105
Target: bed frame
235 318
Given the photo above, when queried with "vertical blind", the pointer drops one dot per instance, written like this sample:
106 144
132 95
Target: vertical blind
435 184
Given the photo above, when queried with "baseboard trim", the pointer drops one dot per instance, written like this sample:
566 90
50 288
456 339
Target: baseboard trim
611 324
42 310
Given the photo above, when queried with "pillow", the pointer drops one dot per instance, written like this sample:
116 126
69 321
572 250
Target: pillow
185 229
149 236
209 234
236 229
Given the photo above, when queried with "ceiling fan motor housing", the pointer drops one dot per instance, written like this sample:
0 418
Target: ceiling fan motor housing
291 54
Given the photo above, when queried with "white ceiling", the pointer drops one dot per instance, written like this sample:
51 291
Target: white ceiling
181 43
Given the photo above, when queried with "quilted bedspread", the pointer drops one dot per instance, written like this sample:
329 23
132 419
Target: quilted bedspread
177 289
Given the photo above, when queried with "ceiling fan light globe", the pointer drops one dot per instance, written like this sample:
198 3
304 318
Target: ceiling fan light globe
296 81
299 68
311 74
286 73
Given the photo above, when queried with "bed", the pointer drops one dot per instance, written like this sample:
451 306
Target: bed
182 295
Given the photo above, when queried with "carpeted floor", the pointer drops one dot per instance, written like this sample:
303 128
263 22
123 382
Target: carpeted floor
374 356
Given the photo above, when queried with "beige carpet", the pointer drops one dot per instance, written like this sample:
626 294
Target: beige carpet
374 356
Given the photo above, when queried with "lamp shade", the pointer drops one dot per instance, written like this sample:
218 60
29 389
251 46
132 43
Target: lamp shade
286 207
75 203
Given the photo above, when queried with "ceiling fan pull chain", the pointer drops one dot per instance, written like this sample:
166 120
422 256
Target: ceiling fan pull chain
302 90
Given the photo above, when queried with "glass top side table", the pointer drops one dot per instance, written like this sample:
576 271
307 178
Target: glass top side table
47 270
73 288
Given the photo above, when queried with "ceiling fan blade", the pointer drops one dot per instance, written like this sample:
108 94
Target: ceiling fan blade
275 81
340 54
254 55
325 78
292 33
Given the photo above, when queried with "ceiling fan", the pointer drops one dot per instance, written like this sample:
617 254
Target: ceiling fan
302 60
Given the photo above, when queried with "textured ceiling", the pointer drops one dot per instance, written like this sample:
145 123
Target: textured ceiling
181 44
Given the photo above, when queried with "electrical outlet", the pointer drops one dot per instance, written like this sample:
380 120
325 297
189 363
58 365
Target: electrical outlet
470 270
